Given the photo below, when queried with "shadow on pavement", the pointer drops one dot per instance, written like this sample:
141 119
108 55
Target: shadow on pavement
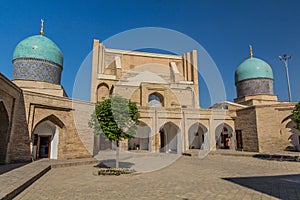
112 163
277 157
9 167
282 187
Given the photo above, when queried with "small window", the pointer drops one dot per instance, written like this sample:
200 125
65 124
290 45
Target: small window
155 100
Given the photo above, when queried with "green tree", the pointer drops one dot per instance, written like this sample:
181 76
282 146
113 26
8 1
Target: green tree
296 116
116 118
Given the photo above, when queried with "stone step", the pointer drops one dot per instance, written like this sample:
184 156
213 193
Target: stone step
15 181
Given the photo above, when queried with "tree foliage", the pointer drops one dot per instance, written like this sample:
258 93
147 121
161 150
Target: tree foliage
296 116
116 118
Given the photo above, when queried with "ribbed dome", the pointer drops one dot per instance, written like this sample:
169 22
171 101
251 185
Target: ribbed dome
253 68
39 47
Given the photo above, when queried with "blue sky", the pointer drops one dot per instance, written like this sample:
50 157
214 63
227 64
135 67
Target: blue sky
224 28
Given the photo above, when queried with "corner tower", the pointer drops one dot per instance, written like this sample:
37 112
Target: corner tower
254 82
37 65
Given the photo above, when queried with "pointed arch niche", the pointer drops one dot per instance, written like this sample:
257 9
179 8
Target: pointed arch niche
198 137
170 141
46 138
102 92
224 136
141 141
294 136
4 126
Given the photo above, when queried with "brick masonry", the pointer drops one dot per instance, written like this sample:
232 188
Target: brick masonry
27 109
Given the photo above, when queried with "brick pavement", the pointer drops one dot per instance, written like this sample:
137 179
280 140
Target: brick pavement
214 177
17 177
8 167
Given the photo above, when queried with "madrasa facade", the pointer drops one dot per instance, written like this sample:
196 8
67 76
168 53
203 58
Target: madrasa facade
38 119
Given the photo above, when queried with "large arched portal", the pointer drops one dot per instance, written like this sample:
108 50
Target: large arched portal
46 138
4 124
294 137
169 136
224 137
198 137
141 140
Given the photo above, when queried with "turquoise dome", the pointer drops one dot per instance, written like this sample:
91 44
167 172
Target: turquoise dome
253 68
40 47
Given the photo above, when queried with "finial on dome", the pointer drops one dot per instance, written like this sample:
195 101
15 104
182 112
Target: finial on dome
251 52
42 27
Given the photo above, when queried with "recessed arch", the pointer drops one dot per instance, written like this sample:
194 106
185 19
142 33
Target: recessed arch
224 136
141 141
294 137
170 138
55 120
103 92
198 137
286 118
193 95
156 99
4 127
46 137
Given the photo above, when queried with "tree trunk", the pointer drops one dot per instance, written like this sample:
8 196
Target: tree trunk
117 154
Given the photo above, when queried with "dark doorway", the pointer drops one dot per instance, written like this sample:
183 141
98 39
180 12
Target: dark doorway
239 140
44 146
162 139
4 124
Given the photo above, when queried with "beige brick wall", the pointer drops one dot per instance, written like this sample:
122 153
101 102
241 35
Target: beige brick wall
273 136
246 122
264 127
105 69
75 139
18 144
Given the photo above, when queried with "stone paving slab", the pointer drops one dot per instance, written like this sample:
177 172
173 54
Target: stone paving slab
9 167
188 178
140 162
72 162
17 180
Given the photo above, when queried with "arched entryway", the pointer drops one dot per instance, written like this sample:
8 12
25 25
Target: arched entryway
198 137
4 124
169 138
224 137
46 138
141 140
294 137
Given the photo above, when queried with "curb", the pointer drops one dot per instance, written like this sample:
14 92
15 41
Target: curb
17 186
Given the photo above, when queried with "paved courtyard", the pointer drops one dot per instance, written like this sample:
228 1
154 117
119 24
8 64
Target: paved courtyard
214 177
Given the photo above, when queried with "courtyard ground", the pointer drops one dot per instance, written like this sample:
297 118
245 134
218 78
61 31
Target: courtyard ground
214 177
